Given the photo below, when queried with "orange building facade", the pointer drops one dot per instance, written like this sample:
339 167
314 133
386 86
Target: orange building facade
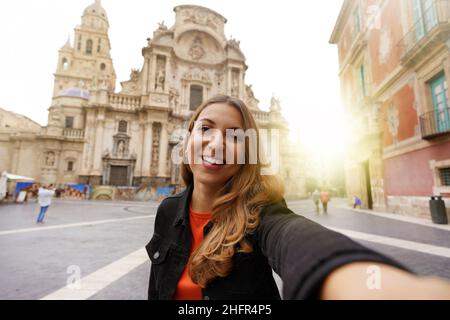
394 60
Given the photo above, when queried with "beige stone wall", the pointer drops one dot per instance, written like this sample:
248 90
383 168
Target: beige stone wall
413 206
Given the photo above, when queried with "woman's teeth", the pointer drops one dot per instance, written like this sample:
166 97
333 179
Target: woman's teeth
212 160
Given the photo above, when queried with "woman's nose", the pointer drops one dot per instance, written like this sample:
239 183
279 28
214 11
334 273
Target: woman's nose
214 143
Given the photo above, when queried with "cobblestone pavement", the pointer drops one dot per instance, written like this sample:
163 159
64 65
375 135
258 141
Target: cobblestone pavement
103 242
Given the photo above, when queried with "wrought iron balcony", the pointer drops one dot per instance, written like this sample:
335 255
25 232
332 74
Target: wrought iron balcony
435 123
430 30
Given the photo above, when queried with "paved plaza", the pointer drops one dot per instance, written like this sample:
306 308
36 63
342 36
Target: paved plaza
102 243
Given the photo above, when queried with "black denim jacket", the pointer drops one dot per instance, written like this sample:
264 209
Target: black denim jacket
302 252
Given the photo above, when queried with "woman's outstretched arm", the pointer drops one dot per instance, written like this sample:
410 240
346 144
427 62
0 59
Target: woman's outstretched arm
317 263
367 281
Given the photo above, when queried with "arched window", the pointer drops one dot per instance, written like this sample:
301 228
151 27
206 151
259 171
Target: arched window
89 46
196 96
123 126
102 66
65 64
70 166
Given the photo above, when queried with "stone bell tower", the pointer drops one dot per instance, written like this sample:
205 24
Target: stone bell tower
87 64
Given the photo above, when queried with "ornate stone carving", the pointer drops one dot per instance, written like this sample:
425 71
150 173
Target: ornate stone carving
134 75
50 159
173 97
249 91
235 83
160 73
160 79
233 42
201 17
106 153
197 75
275 105
196 52
155 147
121 149
162 26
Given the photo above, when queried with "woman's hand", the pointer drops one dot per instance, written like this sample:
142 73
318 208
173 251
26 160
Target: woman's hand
374 281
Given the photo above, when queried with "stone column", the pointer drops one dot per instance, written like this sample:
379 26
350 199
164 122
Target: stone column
166 75
163 143
186 96
241 84
15 158
447 72
98 146
145 77
152 72
139 155
230 80
147 151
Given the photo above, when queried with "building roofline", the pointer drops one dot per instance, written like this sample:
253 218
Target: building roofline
18 115
184 6
337 31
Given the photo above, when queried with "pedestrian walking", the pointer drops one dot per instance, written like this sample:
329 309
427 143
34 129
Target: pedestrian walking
325 198
356 202
316 200
45 195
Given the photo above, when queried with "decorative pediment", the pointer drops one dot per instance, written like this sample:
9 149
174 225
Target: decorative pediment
197 46
234 52
197 74
163 38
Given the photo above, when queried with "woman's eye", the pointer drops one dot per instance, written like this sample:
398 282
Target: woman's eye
204 129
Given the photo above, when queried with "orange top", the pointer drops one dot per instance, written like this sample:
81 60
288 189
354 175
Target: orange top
186 289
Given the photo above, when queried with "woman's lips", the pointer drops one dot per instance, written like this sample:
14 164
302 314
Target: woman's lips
211 166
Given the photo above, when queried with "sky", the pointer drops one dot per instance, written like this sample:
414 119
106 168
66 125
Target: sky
285 43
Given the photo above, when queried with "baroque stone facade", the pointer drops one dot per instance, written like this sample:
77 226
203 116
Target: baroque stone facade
99 136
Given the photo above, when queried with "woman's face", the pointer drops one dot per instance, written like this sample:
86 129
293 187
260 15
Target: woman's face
208 145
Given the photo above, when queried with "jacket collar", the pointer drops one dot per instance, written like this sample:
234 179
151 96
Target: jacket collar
182 213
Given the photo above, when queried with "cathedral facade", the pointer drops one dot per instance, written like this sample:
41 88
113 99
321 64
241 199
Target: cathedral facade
102 136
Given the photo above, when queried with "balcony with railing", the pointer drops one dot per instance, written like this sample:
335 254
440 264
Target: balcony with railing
261 117
429 30
435 123
71 133
124 102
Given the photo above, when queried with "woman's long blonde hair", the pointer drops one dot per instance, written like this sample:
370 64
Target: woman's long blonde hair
236 212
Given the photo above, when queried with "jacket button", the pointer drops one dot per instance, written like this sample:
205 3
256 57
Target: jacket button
156 255
206 298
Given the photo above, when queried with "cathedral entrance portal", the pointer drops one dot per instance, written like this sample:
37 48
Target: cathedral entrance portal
118 176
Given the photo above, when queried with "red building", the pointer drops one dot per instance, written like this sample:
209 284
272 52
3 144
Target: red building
394 60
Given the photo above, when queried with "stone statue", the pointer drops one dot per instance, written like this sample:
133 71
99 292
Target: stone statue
160 79
162 26
235 88
134 75
275 105
249 91
50 160
121 149
106 153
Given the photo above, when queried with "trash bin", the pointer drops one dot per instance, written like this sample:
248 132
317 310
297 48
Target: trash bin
438 211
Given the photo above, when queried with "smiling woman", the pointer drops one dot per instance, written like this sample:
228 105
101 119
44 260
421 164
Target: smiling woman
223 235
